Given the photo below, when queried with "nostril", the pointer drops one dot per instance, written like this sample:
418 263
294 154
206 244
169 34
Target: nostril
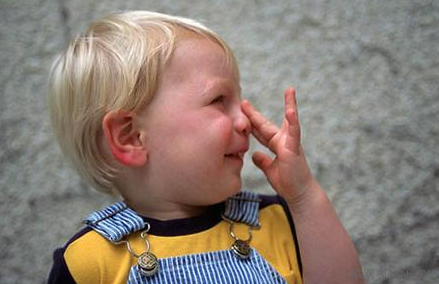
242 124
244 129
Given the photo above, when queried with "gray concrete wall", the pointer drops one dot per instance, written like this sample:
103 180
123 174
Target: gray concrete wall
367 75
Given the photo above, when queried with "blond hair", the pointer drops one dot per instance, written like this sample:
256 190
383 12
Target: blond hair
115 66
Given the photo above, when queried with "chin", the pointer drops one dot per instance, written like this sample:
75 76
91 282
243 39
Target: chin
233 190
222 192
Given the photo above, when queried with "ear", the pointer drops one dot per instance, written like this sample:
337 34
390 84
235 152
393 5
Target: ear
125 140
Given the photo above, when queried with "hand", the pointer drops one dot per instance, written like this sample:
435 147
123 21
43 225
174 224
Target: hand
288 173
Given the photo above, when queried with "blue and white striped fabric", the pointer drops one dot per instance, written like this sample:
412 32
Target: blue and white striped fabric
115 222
244 208
220 267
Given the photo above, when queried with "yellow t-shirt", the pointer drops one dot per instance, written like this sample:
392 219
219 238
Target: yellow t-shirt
90 258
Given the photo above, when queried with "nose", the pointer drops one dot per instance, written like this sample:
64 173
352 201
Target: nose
242 123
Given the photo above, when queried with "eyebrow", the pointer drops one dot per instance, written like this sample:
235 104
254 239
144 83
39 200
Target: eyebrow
213 84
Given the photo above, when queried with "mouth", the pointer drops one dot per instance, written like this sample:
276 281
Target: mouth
239 156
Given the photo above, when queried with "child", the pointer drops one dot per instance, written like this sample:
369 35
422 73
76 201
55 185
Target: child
148 106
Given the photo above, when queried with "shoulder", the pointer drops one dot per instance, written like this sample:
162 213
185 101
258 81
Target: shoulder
275 202
77 258
274 206
60 272
275 213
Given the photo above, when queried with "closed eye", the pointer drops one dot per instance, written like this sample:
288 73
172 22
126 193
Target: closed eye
218 100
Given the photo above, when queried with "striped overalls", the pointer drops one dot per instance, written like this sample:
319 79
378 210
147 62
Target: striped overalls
240 264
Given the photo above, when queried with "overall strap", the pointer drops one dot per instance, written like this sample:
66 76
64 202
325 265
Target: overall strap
118 220
115 221
243 208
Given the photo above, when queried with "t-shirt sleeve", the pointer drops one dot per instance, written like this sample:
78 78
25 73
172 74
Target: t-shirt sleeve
277 199
60 272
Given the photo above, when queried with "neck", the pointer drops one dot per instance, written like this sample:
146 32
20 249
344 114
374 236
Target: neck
165 210
153 200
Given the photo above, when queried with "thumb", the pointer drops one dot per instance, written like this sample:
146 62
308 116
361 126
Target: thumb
262 161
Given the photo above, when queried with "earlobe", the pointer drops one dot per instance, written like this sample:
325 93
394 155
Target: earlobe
124 139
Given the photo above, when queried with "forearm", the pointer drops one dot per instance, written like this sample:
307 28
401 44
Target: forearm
327 252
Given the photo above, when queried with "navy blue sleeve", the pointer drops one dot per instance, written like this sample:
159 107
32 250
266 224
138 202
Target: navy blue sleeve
60 272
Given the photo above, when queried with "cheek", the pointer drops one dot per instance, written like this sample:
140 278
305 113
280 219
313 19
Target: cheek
207 139
194 138
224 128
218 130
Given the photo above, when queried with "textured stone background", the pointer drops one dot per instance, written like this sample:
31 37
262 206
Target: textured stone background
367 74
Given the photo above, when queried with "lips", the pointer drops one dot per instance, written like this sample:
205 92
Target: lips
236 155
237 158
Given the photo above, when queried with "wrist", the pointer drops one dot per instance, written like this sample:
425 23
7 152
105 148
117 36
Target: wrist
312 196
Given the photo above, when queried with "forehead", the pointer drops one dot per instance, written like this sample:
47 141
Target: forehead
199 57
191 42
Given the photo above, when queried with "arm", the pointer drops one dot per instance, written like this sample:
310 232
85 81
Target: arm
328 254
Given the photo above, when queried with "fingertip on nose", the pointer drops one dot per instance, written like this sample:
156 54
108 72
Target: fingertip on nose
248 127
243 126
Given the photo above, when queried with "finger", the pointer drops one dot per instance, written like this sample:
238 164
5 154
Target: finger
292 121
262 161
259 137
291 105
265 128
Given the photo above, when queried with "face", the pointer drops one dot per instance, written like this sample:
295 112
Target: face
196 133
